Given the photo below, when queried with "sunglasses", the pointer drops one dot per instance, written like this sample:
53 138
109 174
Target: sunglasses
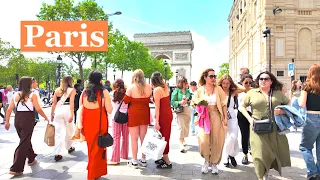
264 79
212 76
248 82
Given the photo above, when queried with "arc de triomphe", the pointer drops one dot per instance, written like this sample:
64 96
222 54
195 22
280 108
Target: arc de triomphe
175 47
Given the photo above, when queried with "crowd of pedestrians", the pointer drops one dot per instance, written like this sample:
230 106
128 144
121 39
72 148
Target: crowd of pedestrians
213 109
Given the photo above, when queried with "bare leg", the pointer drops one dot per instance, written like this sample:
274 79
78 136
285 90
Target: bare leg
134 134
142 134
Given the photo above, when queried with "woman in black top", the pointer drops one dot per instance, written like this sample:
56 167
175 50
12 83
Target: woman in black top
310 98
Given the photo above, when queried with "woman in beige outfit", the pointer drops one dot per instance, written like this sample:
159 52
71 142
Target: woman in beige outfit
211 144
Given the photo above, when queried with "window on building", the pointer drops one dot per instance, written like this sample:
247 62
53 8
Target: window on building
245 26
280 47
244 3
280 73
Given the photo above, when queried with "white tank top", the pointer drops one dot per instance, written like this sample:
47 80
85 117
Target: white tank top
24 106
212 99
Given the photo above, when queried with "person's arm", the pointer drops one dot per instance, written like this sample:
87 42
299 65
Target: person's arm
8 114
175 99
243 107
37 106
290 96
239 89
107 101
157 97
54 104
223 99
72 95
303 99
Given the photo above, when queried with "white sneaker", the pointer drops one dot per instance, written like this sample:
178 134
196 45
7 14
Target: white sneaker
205 167
143 162
265 177
214 169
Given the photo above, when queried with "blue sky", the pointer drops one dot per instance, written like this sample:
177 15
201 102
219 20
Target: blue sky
206 17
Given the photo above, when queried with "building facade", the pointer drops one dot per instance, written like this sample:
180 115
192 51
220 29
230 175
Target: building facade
174 47
295 34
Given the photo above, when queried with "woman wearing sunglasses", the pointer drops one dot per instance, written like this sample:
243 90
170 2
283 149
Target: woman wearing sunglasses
246 82
211 139
270 150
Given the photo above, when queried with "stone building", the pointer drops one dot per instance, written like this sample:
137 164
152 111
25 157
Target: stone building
174 47
295 34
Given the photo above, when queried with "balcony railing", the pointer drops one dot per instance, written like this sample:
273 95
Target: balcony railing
304 13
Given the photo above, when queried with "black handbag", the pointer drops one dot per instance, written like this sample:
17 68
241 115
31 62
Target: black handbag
104 140
121 117
265 126
178 109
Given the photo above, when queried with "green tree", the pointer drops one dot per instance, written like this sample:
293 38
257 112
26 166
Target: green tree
68 10
224 69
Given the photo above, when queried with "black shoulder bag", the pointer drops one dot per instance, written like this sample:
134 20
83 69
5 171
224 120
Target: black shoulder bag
121 117
265 126
105 140
228 104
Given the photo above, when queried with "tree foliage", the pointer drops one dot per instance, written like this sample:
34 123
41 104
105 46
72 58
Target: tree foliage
224 69
67 10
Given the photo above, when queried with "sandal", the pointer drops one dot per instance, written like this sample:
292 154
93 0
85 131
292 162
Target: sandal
15 173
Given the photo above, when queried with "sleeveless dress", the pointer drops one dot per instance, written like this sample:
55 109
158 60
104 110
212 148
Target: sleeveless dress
165 120
138 111
97 164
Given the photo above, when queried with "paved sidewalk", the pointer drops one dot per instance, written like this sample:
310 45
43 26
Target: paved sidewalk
185 166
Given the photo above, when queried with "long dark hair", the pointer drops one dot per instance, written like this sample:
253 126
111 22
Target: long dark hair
204 74
276 85
25 84
157 80
119 90
94 86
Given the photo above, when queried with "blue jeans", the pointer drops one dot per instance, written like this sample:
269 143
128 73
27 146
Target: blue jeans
193 128
311 135
36 115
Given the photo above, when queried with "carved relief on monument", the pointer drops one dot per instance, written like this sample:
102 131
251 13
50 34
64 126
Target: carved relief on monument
181 56
164 53
181 72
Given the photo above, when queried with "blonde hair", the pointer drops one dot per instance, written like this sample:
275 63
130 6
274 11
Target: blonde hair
67 82
139 81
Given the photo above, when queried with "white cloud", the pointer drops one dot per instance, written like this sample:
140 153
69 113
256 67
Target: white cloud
206 55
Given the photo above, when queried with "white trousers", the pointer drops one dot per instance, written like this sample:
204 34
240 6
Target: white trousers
63 129
231 143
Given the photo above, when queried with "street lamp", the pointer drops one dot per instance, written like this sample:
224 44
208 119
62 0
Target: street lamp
277 10
59 61
165 71
267 33
114 74
177 77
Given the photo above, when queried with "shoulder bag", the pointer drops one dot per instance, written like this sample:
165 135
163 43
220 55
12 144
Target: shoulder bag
121 117
105 140
228 104
179 108
265 126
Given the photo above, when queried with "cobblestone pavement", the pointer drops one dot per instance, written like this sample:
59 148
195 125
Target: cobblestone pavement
185 166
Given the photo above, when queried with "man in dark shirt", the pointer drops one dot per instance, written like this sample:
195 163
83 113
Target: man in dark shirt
79 81
76 100
107 85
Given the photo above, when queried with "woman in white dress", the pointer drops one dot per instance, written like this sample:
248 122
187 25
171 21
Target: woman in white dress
62 113
231 90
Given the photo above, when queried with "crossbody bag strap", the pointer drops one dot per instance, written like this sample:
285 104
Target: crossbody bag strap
22 104
229 98
100 111
120 105
270 105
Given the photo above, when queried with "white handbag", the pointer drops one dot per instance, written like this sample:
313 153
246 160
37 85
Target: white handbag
153 145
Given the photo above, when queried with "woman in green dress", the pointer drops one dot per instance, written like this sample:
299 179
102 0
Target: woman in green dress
270 150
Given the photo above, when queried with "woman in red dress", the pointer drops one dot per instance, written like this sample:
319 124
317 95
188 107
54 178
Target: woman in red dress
90 99
163 116
138 97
